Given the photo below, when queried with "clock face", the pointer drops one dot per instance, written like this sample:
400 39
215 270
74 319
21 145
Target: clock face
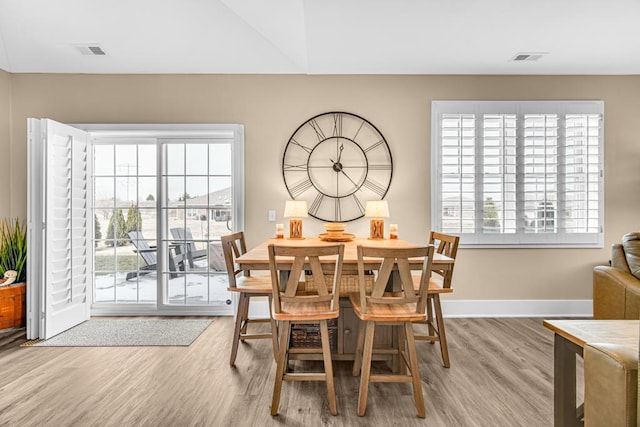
337 162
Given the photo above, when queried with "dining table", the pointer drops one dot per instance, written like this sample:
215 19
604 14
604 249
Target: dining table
257 258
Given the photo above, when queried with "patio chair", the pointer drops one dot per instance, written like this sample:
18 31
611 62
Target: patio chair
149 256
192 253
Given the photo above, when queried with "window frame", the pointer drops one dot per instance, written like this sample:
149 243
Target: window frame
519 239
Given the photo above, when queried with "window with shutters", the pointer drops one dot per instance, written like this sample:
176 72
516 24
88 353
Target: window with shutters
518 173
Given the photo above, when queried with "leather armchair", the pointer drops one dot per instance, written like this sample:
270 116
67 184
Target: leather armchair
610 385
616 289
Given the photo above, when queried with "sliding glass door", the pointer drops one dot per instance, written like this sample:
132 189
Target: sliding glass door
161 201
196 207
124 202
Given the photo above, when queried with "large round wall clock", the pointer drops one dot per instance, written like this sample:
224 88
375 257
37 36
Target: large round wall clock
337 162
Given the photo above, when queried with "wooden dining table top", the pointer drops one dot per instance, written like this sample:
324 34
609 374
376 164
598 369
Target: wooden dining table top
257 258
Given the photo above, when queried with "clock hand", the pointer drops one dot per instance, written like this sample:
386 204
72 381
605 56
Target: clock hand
339 155
349 178
337 166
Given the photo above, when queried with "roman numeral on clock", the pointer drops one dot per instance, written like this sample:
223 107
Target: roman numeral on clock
359 204
315 206
300 188
294 142
380 167
316 127
371 147
337 124
380 191
288 167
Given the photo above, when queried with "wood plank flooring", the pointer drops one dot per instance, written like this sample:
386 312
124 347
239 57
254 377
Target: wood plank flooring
501 375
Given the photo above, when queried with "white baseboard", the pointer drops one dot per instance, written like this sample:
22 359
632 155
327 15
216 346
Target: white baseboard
517 308
490 308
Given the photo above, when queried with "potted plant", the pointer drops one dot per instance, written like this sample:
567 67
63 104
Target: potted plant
13 268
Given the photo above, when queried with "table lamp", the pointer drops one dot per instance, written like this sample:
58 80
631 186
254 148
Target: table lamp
295 209
376 210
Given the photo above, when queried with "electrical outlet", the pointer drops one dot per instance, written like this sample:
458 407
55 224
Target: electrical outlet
272 215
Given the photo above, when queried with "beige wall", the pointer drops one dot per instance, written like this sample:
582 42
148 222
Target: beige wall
5 145
271 107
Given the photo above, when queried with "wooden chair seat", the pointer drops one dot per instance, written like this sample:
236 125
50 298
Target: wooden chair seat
254 284
391 313
436 285
305 311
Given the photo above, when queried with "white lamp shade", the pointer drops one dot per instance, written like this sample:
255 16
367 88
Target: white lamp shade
377 209
295 209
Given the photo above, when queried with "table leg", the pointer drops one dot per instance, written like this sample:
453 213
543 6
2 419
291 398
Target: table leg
564 377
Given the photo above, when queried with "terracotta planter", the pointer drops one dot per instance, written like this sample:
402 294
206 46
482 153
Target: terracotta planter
13 305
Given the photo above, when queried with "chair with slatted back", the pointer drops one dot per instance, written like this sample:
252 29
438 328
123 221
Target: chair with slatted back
150 257
247 285
399 307
312 307
184 239
440 283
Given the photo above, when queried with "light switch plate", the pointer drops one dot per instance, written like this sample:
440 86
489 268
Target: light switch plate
272 215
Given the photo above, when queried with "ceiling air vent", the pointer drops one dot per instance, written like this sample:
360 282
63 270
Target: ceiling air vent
528 56
90 49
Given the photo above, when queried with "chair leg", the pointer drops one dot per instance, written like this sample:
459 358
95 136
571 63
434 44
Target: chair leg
366 368
415 371
190 257
285 327
441 333
402 346
429 321
243 302
357 363
245 316
274 331
328 368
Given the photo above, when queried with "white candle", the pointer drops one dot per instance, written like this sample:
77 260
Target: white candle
393 231
280 231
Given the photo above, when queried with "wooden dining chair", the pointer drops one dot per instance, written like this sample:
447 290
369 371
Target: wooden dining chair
398 308
312 307
248 285
439 283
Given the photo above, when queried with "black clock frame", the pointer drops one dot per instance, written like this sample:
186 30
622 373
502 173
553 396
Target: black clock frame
337 166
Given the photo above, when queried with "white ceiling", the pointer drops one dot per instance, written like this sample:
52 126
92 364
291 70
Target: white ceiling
321 36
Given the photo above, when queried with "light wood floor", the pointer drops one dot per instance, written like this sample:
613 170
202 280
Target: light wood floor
501 375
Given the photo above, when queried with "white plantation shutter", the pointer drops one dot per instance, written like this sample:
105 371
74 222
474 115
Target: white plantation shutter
540 172
458 184
68 243
499 173
581 174
64 226
536 178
